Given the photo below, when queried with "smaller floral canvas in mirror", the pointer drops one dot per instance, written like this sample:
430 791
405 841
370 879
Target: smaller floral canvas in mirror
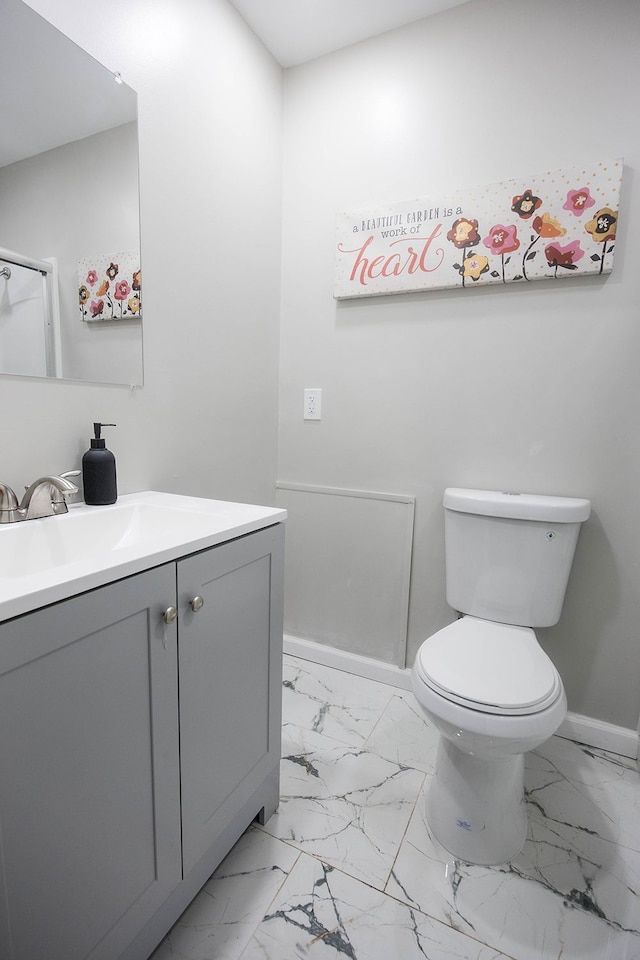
109 287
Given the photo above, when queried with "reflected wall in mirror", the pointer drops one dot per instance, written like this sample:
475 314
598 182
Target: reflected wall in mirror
68 194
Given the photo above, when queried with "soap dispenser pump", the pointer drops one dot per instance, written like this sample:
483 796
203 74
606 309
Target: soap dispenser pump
99 471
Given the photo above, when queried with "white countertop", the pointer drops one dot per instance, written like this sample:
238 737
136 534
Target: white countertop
44 561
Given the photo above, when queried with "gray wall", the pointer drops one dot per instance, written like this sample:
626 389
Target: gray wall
532 389
210 124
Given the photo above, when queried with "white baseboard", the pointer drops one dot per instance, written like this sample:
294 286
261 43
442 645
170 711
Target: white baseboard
587 730
354 663
597 733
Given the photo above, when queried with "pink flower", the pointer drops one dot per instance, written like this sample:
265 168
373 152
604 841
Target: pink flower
578 201
92 278
96 307
567 255
502 239
122 290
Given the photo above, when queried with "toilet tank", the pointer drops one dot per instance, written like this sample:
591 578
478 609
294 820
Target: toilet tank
508 555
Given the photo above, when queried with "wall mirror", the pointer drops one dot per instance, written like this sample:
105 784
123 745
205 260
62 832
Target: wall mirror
70 280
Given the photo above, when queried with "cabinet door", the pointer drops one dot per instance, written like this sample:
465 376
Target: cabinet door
230 657
89 779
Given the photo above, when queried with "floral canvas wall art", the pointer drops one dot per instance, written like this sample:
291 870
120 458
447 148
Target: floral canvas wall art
110 287
555 225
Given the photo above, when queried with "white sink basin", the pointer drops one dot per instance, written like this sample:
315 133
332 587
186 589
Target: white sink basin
42 561
89 535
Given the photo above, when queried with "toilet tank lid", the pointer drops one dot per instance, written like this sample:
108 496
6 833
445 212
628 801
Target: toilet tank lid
517 506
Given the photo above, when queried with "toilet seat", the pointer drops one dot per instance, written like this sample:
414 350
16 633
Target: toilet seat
491 667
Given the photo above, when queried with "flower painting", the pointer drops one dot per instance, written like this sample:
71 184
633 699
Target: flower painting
110 287
559 224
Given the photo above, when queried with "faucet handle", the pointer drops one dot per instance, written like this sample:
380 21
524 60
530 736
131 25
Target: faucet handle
8 499
59 497
8 504
65 476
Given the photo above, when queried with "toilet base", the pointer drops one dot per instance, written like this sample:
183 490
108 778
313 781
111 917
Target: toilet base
475 806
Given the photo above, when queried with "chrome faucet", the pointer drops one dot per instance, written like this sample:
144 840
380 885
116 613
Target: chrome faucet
45 497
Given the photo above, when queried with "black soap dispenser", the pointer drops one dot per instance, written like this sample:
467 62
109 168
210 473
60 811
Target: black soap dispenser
99 471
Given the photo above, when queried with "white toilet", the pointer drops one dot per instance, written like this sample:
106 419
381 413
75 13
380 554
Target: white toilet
484 681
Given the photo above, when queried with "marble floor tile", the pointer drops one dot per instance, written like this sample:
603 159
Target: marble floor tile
595 791
404 735
568 895
220 921
584 872
347 806
327 701
321 913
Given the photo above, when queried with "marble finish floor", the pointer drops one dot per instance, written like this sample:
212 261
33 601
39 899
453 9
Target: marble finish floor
348 870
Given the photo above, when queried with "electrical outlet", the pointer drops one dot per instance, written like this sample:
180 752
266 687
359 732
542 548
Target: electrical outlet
312 403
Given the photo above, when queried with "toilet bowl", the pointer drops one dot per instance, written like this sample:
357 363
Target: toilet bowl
484 681
493 694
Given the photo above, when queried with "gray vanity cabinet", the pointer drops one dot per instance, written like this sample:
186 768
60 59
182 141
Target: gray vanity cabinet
133 753
230 668
89 778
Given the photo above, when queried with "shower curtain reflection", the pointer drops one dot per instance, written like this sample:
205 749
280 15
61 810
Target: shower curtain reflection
28 327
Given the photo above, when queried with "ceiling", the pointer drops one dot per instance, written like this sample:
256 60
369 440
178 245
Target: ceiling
65 110
299 30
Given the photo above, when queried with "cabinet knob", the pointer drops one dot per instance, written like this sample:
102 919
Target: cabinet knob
169 614
197 603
